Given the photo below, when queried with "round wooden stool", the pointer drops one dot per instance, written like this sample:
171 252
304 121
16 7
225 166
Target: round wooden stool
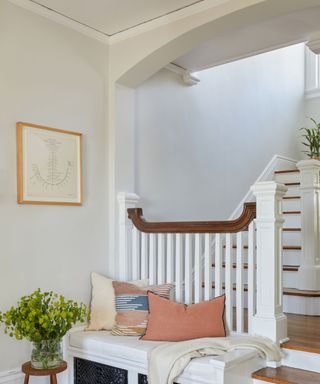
52 372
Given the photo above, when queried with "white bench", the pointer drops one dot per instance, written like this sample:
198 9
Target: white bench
131 355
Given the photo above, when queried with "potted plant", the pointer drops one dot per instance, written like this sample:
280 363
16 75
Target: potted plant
43 318
312 140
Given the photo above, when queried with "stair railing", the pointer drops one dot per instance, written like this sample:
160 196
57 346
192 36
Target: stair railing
245 263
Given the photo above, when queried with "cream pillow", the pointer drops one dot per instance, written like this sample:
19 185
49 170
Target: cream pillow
103 311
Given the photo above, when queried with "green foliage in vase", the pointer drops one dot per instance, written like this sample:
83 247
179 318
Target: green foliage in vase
312 140
42 316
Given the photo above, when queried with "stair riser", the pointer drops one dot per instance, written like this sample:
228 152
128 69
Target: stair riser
302 305
291 257
289 278
291 238
292 221
292 177
302 360
293 190
291 205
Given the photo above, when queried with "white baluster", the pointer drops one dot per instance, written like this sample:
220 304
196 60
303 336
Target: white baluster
207 267
152 259
197 270
144 256
135 254
170 259
228 282
218 265
239 283
179 266
188 269
161 259
251 274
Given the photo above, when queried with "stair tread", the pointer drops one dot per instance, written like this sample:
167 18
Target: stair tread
291 212
291 229
291 197
292 184
300 292
287 268
286 375
292 248
287 171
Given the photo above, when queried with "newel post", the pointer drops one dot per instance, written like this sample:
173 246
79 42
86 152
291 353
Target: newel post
269 320
125 201
309 271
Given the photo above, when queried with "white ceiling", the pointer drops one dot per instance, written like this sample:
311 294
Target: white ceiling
114 16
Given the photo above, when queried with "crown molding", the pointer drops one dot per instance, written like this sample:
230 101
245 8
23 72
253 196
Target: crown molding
187 77
314 43
61 19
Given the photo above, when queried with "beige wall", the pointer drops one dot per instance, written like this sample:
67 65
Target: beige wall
53 76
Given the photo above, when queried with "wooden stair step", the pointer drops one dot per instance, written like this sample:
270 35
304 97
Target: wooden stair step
287 171
291 212
291 229
286 268
286 375
300 292
291 197
292 184
292 248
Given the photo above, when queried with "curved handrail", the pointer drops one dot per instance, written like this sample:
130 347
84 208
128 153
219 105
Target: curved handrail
229 226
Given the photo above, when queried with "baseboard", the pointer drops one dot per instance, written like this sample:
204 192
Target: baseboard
13 376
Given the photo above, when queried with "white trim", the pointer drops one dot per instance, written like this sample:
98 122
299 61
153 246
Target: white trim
187 77
312 94
14 376
61 19
265 175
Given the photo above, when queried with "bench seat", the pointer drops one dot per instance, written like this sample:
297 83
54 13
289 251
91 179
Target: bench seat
131 353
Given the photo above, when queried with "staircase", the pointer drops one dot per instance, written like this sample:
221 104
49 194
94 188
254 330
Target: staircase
301 364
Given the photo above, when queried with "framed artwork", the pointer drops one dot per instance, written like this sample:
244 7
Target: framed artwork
49 165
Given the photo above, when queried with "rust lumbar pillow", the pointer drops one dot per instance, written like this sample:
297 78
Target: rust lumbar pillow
132 307
170 321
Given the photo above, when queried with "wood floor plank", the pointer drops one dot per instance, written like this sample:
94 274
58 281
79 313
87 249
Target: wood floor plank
304 333
286 375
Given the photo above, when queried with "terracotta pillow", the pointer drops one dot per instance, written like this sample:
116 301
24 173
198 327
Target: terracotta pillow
132 307
170 321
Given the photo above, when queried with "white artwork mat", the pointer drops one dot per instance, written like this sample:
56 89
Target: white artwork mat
51 166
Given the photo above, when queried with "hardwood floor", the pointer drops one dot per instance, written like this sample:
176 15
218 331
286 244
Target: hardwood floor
304 333
286 375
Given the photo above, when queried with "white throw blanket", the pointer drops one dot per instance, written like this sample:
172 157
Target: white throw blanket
167 361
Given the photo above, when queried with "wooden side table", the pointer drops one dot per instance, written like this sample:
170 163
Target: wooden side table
52 372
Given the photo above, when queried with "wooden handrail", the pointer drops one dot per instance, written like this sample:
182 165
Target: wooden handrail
229 226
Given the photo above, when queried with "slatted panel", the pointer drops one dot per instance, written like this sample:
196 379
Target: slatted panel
179 266
144 256
228 281
170 259
218 265
161 259
152 259
240 283
188 269
135 254
251 274
207 267
197 269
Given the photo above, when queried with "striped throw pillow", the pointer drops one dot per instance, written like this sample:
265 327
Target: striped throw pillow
132 307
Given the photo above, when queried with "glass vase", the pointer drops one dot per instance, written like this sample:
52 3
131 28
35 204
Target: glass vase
46 354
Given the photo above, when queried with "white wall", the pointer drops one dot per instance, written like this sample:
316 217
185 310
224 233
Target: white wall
198 149
53 76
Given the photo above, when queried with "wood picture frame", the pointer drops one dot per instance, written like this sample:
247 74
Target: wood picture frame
49 165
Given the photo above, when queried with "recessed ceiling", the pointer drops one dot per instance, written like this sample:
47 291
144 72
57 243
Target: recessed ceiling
114 16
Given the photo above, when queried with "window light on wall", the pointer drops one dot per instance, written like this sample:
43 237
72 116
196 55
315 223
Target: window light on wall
312 74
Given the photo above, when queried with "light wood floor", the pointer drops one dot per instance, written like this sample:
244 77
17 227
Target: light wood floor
304 333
